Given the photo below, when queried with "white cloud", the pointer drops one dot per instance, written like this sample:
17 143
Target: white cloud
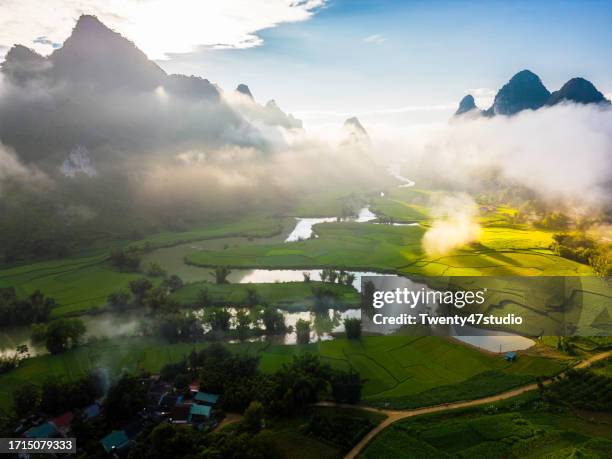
482 96
158 27
376 39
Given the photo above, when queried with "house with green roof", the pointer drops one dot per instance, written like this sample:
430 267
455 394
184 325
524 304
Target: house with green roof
205 398
115 440
198 413
45 430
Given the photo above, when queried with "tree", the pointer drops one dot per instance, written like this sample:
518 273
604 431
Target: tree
119 301
181 382
155 270
25 399
63 334
302 328
346 387
173 283
221 273
167 441
298 384
243 324
352 326
273 320
203 299
156 299
254 417
306 276
140 287
126 398
218 319
252 298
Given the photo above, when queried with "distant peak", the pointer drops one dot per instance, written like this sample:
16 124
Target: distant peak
467 104
22 64
20 52
578 90
88 23
525 75
95 54
524 91
355 124
244 90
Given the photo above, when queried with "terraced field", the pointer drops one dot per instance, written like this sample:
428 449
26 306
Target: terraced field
523 433
397 367
369 246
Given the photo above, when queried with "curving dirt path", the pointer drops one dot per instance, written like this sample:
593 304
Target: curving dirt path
396 415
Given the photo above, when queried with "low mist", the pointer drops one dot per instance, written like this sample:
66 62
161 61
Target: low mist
455 224
563 153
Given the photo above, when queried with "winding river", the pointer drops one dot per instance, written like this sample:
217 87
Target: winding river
112 325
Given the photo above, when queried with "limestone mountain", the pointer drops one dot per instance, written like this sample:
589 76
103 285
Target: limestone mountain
524 91
244 90
355 134
94 54
98 89
354 126
579 91
467 105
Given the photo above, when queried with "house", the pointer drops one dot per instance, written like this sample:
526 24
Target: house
62 423
45 430
511 356
198 413
204 398
115 440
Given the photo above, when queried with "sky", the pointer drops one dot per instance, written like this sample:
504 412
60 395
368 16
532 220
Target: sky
325 60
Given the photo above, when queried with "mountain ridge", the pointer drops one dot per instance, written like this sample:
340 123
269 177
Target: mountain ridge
525 91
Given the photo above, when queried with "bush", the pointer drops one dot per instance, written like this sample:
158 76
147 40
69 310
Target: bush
302 328
352 327
254 417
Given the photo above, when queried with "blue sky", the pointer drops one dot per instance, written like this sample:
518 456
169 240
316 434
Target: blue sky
423 53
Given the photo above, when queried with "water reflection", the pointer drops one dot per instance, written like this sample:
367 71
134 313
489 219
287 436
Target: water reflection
303 228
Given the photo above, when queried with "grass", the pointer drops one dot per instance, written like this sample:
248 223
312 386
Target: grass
349 245
291 436
403 370
403 205
517 432
393 367
346 245
292 296
80 284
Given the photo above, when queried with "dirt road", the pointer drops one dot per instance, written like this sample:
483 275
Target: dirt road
396 415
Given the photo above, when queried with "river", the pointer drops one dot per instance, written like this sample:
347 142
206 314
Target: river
109 324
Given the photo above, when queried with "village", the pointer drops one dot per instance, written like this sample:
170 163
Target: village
165 404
